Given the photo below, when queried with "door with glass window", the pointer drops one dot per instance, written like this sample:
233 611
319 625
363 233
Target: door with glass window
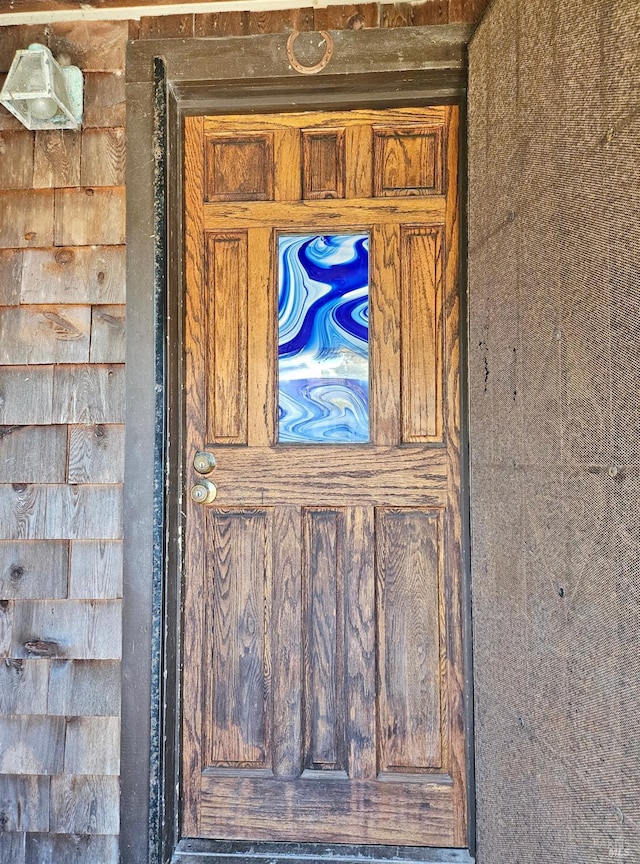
322 682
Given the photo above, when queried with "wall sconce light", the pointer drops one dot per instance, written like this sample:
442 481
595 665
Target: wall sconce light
41 93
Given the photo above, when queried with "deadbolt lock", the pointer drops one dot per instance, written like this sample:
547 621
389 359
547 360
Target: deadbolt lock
204 492
204 462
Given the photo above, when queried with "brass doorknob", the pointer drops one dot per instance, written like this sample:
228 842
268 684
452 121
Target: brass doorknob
204 492
204 462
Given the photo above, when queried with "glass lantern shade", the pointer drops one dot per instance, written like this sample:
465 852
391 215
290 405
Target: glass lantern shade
41 93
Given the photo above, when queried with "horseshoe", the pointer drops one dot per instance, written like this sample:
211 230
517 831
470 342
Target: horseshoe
309 70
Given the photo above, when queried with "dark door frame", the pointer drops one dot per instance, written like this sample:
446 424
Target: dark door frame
167 80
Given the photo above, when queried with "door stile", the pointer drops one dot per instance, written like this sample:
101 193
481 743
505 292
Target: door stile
453 516
195 310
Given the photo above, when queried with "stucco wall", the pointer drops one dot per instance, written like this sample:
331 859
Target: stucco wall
554 293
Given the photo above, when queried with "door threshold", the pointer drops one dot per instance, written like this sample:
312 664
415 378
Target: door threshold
265 852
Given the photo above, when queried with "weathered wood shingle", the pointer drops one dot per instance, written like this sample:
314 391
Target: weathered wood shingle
21 452
83 274
66 629
38 569
23 686
88 394
85 805
96 569
24 804
107 334
32 745
84 688
27 219
89 216
44 334
92 745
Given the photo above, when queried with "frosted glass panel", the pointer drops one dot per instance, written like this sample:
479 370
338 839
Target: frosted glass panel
323 338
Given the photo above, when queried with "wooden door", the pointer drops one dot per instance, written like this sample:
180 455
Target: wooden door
322 690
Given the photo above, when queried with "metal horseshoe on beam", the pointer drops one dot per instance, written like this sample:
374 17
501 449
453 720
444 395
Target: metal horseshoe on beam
318 67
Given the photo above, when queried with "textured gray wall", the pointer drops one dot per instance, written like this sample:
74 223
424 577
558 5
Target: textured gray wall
554 281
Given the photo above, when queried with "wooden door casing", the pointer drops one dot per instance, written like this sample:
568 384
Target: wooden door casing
322 687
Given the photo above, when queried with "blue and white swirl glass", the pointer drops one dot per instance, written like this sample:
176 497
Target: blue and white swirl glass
323 338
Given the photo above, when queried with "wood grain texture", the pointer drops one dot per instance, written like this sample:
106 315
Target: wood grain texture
44 334
360 638
226 390
13 38
27 218
83 512
323 163
385 348
77 848
56 158
24 804
287 643
323 642
8 123
261 375
96 569
323 215
7 608
431 12
12 847
33 454
93 46
280 21
88 394
37 569
233 123
221 24
454 515
409 560
396 14
194 347
88 216
85 805
31 745
342 475
107 334
359 158
96 454
22 512
89 274
348 17
407 160
369 810
166 27
23 687
92 745
104 100
26 395
103 157
71 629
287 167
16 160
239 167
238 572
422 333
83 687
10 276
